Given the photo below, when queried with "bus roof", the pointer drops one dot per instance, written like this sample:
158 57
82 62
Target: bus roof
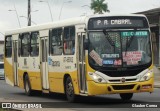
62 23
114 15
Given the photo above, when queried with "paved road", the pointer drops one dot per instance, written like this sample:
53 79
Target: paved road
108 102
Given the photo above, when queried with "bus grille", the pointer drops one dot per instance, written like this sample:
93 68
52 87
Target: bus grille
123 87
118 80
126 73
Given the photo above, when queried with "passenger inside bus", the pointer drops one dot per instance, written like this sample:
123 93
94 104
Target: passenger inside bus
69 47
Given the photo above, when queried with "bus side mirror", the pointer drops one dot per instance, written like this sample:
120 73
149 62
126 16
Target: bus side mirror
86 44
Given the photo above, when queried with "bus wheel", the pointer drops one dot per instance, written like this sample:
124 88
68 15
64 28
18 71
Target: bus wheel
27 86
69 90
126 96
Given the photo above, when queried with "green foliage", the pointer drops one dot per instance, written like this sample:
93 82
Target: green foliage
99 6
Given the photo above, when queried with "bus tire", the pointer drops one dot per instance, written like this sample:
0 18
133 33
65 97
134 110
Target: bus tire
126 96
69 90
27 86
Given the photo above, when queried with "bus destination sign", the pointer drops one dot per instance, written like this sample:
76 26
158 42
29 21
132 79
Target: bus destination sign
115 22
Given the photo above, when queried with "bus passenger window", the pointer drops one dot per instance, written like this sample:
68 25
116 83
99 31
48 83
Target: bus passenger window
34 44
25 43
8 46
19 45
69 40
56 41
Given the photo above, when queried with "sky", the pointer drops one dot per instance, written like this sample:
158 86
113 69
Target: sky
9 19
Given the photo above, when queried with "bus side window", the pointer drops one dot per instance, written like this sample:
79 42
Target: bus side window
25 44
56 42
69 40
34 51
19 45
8 46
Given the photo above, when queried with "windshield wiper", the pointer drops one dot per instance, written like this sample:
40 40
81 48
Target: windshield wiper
128 44
107 36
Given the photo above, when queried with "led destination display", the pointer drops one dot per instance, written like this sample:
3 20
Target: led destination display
116 22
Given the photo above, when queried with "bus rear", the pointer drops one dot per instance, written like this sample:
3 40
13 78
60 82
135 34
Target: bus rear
119 58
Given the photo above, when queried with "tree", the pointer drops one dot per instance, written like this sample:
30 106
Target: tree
99 6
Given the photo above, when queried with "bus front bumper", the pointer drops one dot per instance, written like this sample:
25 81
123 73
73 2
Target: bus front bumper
132 87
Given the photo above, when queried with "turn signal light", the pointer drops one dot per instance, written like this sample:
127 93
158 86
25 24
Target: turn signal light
146 86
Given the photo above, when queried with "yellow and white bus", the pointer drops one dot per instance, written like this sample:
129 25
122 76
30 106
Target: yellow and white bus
90 55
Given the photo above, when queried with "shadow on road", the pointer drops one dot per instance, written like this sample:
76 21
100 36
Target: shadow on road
55 100
82 101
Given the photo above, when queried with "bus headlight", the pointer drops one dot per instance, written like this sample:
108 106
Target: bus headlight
146 76
96 77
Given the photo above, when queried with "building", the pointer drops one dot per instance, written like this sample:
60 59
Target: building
153 16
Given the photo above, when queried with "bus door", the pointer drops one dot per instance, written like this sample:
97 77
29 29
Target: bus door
15 62
43 62
81 63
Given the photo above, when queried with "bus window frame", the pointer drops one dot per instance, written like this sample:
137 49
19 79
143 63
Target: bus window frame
19 45
22 35
6 56
69 39
50 41
36 44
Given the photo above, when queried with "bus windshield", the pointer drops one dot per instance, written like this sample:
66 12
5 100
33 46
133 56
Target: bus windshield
125 48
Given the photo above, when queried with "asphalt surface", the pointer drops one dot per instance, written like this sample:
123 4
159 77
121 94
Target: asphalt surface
103 102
